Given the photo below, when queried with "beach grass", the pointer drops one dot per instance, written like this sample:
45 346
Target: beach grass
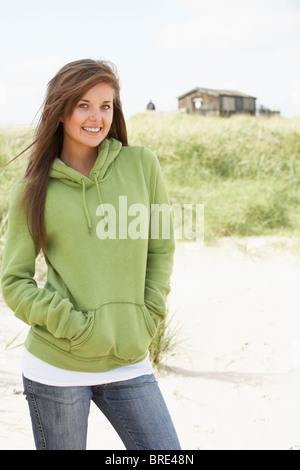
244 169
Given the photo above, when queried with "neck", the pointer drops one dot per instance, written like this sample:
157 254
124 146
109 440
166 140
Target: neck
81 161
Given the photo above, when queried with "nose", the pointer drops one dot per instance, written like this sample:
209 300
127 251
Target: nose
96 115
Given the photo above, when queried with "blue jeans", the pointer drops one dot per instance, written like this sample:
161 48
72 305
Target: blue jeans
135 408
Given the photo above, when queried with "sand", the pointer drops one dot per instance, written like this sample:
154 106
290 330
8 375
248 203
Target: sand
232 381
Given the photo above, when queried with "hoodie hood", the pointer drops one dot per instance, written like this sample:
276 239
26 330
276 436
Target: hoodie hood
109 150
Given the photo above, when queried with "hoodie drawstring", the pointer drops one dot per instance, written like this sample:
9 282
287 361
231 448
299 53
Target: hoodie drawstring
85 204
98 190
99 197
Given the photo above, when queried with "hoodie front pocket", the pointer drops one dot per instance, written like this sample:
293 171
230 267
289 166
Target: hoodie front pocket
64 343
121 329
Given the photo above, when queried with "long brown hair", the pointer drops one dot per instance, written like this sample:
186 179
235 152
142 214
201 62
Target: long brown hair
63 92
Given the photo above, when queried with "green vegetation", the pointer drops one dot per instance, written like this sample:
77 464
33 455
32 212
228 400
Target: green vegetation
12 142
164 342
245 170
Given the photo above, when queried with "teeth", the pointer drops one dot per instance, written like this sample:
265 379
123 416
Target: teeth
92 129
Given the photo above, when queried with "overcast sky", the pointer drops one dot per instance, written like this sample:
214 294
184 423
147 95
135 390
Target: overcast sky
162 48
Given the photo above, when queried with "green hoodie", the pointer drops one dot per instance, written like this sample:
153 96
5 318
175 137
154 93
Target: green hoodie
106 291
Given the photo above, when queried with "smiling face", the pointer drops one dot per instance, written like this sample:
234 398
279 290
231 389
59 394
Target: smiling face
90 120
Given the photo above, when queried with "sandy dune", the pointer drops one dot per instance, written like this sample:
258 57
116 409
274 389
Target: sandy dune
233 380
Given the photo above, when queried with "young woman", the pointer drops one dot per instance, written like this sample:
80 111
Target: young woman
87 201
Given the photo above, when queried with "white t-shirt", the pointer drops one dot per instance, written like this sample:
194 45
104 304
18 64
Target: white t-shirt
42 372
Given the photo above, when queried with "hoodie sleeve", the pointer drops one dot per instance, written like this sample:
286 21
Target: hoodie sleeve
161 245
31 304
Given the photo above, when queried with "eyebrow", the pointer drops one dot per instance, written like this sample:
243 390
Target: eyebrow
106 101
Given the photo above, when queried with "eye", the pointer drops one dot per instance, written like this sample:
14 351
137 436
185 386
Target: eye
106 107
82 105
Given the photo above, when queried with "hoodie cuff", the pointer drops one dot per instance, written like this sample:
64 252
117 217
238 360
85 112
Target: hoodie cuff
76 326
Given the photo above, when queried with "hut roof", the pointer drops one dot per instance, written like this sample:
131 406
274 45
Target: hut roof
216 93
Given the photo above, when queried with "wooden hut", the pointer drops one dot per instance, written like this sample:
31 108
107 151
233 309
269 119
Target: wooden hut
207 101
